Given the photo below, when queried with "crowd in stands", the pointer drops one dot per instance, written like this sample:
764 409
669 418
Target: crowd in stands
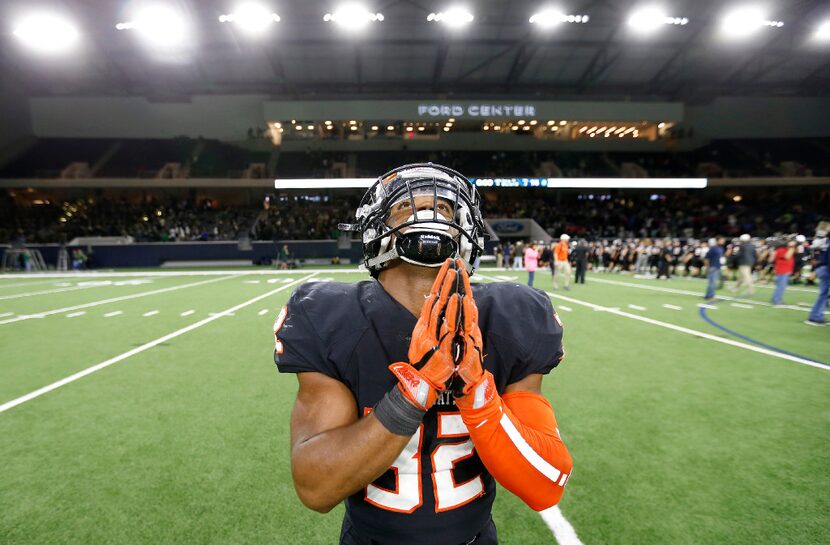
608 215
680 213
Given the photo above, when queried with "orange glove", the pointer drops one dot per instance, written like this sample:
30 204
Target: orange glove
431 365
470 368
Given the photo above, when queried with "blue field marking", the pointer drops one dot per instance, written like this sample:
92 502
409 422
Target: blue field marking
728 331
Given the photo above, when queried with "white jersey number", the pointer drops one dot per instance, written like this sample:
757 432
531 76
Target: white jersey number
408 494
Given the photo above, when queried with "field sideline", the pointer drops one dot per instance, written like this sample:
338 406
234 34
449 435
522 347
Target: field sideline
145 408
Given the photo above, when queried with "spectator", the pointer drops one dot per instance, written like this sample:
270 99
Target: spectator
518 251
499 254
580 256
563 264
784 265
746 261
713 259
822 267
531 259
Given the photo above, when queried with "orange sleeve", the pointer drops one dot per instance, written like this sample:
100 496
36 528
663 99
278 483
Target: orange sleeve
518 441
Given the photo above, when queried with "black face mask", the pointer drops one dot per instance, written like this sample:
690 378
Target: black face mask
425 248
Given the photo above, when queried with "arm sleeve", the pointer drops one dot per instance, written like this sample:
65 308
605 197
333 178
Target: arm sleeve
517 439
545 349
298 347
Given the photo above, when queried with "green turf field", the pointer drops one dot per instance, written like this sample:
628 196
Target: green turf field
680 432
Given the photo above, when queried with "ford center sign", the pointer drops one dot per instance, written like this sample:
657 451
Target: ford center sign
476 110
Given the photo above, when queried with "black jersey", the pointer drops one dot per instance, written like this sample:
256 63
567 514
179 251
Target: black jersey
437 491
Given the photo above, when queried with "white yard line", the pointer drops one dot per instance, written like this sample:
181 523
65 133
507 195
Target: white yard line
23 284
687 292
689 331
187 313
151 313
48 292
636 307
113 274
111 300
5 314
113 313
561 528
672 307
89 370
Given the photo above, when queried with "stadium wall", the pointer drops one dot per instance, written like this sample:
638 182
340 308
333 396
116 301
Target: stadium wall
224 117
15 124
228 117
742 117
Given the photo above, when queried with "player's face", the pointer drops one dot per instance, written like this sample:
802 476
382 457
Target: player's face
402 210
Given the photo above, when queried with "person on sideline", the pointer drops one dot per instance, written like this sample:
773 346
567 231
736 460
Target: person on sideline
784 265
580 256
746 261
713 263
822 268
531 262
563 265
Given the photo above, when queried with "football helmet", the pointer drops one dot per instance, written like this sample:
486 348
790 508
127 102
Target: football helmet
421 213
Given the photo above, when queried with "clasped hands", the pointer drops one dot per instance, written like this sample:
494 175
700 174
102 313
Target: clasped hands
446 351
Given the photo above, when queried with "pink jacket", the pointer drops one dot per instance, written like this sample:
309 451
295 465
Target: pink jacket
531 260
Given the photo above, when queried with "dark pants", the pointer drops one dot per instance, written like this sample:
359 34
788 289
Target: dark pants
350 536
581 266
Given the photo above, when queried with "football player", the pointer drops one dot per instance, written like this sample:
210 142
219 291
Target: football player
417 390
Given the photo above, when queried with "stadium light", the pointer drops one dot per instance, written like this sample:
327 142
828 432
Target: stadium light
352 17
550 18
822 33
745 21
47 33
454 17
649 19
252 18
159 25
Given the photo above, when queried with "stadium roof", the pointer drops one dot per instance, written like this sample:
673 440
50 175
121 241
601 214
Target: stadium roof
499 54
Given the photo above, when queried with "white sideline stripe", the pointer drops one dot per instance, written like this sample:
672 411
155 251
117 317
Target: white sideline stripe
692 332
89 370
262 312
636 307
74 314
47 292
113 313
5 314
187 313
563 307
541 465
673 307
561 528
686 292
740 305
112 300
22 284
151 313
696 333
